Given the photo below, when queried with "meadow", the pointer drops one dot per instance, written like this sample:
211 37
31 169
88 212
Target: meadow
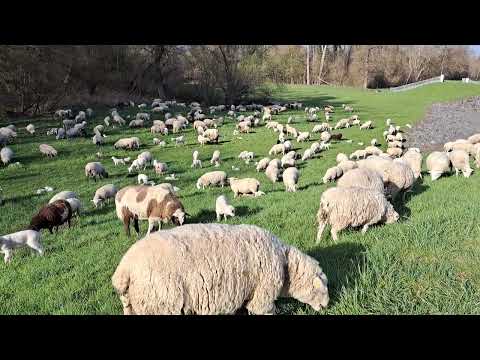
427 263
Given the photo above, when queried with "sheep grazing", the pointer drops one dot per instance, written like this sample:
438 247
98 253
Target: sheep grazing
262 164
52 216
196 162
117 161
413 158
61 134
316 147
152 203
347 165
243 186
63 195
273 171
95 170
264 269
394 152
30 128
76 206
353 207
142 179
104 194
321 128
290 179
347 108
366 125
214 178
277 149
127 143
460 162
308 154
159 167
341 157
97 140
212 135
215 158
343 123
362 178
222 207
179 140
6 155
20 239
303 136
332 174
373 150
359 154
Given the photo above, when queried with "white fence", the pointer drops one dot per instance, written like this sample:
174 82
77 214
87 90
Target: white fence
418 83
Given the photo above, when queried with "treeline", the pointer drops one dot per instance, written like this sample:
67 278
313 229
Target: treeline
38 79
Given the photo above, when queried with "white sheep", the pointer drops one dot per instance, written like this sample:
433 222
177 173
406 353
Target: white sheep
290 178
6 155
214 178
347 165
222 207
76 205
341 157
215 158
366 125
30 128
374 142
277 149
359 154
243 186
308 154
363 178
19 239
287 145
159 167
179 140
196 162
413 158
264 269
95 170
303 136
262 164
332 174
142 179
353 207
460 162
117 161
103 194
273 171
63 195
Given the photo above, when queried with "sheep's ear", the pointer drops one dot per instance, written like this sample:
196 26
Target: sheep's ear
317 282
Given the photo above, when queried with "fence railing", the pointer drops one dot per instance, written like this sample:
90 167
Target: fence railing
418 83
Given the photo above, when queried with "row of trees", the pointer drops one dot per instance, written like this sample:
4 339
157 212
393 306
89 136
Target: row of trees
37 79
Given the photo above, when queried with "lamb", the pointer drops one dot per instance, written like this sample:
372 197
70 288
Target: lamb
179 140
142 179
214 178
359 154
30 128
76 206
19 239
276 149
243 186
215 158
394 152
52 216
6 155
325 136
63 195
366 125
316 147
196 162
159 167
308 154
273 171
353 207
413 158
222 207
264 269
290 178
117 161
262 164
212 135
343 123
104 194
94 170
341 157
153 203
332 174
303 136
347 165
362 178
460 162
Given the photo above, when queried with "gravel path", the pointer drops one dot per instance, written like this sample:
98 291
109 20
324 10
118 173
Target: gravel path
446 122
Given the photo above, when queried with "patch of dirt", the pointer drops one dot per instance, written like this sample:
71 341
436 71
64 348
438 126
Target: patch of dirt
446 122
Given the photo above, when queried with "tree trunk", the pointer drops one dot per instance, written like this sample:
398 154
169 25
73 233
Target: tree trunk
367 64
322 62
308 64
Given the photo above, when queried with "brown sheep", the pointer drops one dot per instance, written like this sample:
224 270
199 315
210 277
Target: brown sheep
52 215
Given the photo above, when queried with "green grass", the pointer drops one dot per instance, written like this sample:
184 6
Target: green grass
428 263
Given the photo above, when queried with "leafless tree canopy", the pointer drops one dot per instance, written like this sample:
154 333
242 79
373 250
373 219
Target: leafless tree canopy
37 79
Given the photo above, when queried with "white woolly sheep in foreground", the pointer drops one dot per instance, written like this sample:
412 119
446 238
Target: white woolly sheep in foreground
47 150
332 174
19 239
341 157
196 162
438 163
30 128
362 178
264 270
6 155
290 179
262 164
460 162
243 186
222 207
353 207
95 170
214 178
76 206
413 158
303 136
63 195
347 165
215 158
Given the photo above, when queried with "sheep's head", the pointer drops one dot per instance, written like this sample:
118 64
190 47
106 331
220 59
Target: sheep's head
391 216
96 201
230 210
178 217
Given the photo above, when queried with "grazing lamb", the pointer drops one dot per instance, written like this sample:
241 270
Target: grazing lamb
76 206
159 167
94 170
214 178
222 207
308 154
366 125
179 140
460 162
215 158
117 161
30 128
290 178
264 269
153 203
142 179
6 155
19 239
277 149
413 158
243 186
362 178
196 162
52 216
104 194
303 136
353 207
332 174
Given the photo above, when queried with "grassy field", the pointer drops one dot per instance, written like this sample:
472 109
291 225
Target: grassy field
428 263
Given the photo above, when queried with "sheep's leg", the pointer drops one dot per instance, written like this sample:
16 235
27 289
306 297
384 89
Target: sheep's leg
456 172
364 228
334 233
135 225
261 304
151 224
35 245
218 217
321 227
8 255
126 224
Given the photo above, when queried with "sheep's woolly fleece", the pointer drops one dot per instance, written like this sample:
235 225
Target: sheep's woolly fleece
363 178
215 269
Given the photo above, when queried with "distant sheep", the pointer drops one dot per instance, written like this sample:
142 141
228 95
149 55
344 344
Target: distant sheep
6 155
214 178
303 136
332 174
215 158
290 179
104 194
196 162
30 128
95 170
243 186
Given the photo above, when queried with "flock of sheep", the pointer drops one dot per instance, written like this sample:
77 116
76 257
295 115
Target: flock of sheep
218 268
